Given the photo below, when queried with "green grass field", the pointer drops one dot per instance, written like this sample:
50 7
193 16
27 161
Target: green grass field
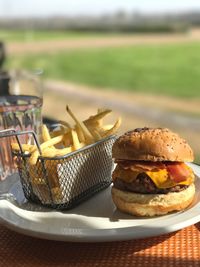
167 69
29 36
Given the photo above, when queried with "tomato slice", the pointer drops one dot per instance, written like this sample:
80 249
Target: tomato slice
178 172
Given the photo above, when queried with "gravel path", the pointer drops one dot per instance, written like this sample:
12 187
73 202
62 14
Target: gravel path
52 46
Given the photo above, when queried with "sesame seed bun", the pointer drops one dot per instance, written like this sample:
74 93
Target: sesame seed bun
152 204
152 144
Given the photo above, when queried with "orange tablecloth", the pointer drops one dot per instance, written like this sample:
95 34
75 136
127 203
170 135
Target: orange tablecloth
177 249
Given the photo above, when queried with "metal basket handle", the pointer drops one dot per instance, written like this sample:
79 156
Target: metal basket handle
12 132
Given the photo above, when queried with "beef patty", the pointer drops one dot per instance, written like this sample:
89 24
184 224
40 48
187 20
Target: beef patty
144 185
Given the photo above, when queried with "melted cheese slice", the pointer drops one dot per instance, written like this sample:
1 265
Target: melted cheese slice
161 179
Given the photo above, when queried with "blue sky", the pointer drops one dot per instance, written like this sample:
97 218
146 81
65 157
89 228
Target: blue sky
76 7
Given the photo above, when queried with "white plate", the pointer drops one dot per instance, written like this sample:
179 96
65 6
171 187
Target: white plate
95 220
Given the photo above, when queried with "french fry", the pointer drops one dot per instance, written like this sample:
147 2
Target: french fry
96 119
52 142
88 136
45 133
49 152
49 143
100 130
64 151
107 127
25 147
100 121
34 157
113 129
66 135
75 140
80 134
103 129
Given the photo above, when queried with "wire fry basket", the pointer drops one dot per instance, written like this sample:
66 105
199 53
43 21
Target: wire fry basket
64 182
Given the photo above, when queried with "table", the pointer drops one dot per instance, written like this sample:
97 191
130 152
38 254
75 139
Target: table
176 249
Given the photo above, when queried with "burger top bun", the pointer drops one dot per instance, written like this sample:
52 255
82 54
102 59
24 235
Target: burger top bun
152 144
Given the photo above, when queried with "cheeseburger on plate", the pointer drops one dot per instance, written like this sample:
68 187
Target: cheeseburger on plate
151 177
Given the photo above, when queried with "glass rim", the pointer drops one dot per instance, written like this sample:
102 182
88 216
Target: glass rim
9 102
9 74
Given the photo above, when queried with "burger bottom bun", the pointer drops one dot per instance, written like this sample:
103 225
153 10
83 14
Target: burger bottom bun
152 204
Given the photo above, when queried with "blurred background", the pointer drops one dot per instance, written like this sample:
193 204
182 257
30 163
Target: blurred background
139 58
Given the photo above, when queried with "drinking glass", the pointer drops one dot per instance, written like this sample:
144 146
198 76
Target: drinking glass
20 110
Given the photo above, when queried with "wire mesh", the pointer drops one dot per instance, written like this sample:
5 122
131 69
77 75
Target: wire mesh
64 182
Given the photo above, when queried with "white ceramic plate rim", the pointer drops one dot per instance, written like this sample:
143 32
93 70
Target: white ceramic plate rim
12 220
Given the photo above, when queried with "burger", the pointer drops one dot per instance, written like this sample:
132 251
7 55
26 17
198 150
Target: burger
151 177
